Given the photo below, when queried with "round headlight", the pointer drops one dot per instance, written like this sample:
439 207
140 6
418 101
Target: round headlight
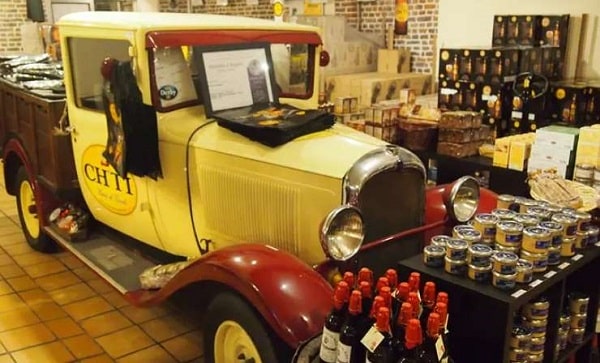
463 199
342 233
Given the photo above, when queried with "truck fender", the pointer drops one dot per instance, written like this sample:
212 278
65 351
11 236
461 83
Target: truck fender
292 298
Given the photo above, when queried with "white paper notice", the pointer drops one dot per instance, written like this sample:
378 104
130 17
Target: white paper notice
173 77
237 78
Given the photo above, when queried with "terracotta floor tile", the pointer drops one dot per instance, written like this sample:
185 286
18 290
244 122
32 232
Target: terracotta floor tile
35 296
16 247
70 260
64 327
154 354
48 310
125 341
71 293
5 221
87 308
98 359
116 299
22 283
83 346
26 337
33 258
10 302
17 318
5 288
105 323
45 268
139 315
6 260
100 286
57 281
6 359
9 271
185 347
8 230
166 327
2 350
52 352
85 273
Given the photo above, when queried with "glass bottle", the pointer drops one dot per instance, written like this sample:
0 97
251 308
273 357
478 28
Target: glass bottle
333 324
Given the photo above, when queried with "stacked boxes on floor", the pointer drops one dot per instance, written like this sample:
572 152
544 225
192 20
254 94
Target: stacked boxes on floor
461 133
554 147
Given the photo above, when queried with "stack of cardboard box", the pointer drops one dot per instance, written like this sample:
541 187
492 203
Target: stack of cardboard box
554 147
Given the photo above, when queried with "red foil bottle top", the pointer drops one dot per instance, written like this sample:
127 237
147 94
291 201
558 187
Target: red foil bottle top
392 277
442 297
341 294
403 290
442 309
365 274
381 282
365 289
383 320
355 305
433 325
386 294
406 313
349 278
414 334
378 302
429 293
413 300
414 281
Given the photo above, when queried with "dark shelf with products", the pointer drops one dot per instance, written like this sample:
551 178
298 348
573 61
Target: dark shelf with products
481 315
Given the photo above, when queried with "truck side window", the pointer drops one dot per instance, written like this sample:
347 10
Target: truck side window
86 56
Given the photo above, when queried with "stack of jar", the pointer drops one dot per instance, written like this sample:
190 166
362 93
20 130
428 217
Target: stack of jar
577 313
535 320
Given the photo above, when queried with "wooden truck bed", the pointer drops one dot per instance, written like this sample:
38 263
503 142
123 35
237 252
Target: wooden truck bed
32 118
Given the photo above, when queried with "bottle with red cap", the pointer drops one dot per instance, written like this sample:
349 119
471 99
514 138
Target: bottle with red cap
365 274
404 316
367 297
333 324
414 281
349 348
349 279
428 301
413 299
392 277
442 309
384 352
381 283
428 353
412 342
402 291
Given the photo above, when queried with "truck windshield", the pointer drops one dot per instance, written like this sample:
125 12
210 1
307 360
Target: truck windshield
176 82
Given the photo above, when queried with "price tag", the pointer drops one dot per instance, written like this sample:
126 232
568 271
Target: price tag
535 283
518 293
564 265
448 91
549 274
577 257
517 114
531 117
440 348
372 339
510 78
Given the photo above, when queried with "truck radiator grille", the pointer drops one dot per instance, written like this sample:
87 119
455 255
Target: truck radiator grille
250 208
391 202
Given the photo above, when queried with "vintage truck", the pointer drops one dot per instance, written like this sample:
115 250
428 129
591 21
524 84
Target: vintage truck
259 232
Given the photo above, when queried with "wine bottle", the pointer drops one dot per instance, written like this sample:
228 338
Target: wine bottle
412 342
349 348
392 277
428 353
402 291
367 297
333 324
442 309
428 302
349 279
414 283
442 297
413 300
404 316
386 294
381 282
384 353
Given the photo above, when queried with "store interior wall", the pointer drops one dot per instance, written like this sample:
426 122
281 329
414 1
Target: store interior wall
459 28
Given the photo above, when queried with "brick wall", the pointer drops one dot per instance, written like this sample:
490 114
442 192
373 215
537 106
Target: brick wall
13 13
372 18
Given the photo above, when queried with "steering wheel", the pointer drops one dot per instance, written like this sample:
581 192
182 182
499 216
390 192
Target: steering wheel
530 85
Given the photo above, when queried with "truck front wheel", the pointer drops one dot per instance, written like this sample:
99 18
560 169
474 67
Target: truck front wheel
234 333
28 215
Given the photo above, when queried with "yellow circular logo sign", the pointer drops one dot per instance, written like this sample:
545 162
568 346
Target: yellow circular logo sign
445 55
560 93
545 22
277 8
117 194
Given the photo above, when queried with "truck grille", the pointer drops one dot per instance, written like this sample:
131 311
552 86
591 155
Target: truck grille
392 201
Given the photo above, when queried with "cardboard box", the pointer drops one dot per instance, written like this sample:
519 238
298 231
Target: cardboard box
503 64
546 151
501 152
499 30
592 114
519 153
530 60
393 60
558 136
449 64
522 30
554 30
589 134
567 102
449 96
562 169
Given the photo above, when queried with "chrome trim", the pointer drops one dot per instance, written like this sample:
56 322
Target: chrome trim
458 184
323 237
388 157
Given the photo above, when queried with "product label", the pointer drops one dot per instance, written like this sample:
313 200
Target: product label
518 293
372 339
440 348
542 245
343 353
535 283
329 343
489 231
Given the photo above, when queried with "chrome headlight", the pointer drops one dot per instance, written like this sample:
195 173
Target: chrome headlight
342 233
462 199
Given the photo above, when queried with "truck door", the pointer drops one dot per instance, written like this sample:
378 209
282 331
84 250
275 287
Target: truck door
121 203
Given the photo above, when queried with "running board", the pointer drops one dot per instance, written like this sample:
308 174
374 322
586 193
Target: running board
116 264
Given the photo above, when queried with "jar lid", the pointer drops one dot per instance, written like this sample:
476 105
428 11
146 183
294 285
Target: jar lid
506 198
526 218
486 218
523 264
525 201
536 256
593 230
582 216
480 249
510 226
440 240
503 213
551 225
584 166
469 234
435 250
457 243
537 232
564 218
506 257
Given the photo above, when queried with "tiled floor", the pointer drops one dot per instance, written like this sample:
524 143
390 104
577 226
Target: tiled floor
55 309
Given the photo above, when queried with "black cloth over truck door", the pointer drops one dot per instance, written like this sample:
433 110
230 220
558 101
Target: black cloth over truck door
135 137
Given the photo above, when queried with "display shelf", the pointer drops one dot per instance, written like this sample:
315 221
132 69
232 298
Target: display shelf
481 316
572 349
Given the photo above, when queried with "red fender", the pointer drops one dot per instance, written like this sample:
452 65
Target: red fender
292 297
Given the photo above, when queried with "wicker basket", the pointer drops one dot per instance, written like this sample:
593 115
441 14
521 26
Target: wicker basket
417 134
